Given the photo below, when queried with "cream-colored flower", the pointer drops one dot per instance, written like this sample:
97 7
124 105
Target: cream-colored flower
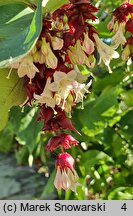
65 86
38 57
66 179
80 77
106 53
27 67
62 84
80 90
47 96
50 58
64 91
119 38
57 43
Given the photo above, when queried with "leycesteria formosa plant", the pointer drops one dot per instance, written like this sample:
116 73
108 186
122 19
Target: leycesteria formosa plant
47 58
122 23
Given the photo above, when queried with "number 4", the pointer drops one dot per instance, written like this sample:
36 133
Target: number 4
124 207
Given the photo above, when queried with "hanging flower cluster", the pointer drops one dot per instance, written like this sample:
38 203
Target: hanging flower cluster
53 80
122 24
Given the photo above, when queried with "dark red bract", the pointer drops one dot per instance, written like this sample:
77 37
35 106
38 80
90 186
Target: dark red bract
130 40
64 161
122 12
129 26
77 13
55 122
62 140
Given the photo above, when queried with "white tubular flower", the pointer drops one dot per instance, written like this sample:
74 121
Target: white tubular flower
62 84
66 180
57 43
69 88
80 77
26 67
39 57
15 65
106 53
80 90
50 58
73 177
66 176
62 180
119 38
47 96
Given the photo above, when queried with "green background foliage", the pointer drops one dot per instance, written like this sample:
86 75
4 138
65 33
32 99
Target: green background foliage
104 157
25 27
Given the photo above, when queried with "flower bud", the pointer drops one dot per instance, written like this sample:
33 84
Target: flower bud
34 49
88 45
110 24
50 58
116 25
126 53
57 43
90 61
45 47
36 57
76 54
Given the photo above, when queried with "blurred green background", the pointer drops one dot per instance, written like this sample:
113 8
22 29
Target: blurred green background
104 157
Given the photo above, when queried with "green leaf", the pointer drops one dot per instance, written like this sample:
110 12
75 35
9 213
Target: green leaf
126 123
22 156
127 97
11 94
19 33
121 193
99 112
6 139
92 157
52 5
49 188
24 122
29 3
13 1
109 138
109 80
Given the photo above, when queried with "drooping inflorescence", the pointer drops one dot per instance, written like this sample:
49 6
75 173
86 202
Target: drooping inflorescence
53 79
122 27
